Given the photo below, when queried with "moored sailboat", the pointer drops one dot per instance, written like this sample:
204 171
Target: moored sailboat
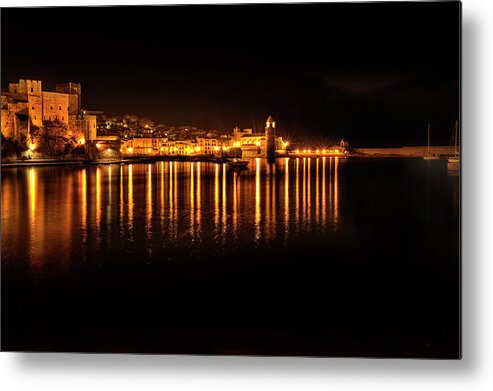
454 160
429 155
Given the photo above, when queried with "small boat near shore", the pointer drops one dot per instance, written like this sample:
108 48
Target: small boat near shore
238 165
453 162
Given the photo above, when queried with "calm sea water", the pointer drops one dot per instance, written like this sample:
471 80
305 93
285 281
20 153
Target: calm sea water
352 257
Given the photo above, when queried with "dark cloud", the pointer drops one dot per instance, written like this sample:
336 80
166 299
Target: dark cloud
357 84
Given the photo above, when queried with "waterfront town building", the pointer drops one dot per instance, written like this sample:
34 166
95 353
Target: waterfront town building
261 144
242 143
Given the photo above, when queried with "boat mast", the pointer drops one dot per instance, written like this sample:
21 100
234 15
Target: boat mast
428 138
456 137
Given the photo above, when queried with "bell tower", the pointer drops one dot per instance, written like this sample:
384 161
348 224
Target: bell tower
270 137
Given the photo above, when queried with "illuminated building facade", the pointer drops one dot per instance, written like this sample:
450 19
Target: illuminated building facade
270 135
25 104
265 144
208 146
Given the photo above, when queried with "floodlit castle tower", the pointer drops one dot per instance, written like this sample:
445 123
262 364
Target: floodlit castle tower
270 136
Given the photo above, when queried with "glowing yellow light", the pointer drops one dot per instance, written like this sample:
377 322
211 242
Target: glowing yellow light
216 149
197 149
297 151
304 151
31 147
130 150
82 141
309 151
161 149
257 143
324 151
317 151
336 151
98 145
236 144
149 150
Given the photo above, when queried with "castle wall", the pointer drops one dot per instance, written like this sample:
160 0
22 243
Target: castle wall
73 104
7 124
55 107
5 101
83 127
90 123
26 100
74 91
35 110
13 109
18 90
24 89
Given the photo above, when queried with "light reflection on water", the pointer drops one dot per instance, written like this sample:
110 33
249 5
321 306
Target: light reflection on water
166 208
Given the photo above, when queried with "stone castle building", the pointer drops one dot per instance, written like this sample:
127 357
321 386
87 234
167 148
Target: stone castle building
25 104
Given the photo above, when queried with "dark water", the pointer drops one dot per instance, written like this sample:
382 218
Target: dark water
356 257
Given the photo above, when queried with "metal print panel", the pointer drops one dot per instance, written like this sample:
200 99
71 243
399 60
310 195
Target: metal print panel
277 179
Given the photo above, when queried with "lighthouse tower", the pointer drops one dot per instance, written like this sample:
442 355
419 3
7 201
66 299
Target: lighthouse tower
270 137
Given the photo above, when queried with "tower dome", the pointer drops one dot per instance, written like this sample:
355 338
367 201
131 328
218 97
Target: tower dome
270 122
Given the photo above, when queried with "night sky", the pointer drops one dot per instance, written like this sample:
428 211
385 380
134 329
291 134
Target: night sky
374 74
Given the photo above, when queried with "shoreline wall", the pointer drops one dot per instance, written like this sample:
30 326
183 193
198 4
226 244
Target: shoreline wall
407 151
